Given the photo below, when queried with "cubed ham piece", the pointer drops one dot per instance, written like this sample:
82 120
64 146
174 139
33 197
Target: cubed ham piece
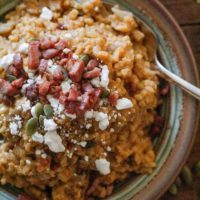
55 91
44 88
24 197
131 88
73 94
13 71
61 44
6 88
63 62
87 87
71 107
92 74
113 97
70 63
76 71
18 83
58 77
31 92
46 43
50 53
34 55
63 99
92 64
43 65
18 62
85 103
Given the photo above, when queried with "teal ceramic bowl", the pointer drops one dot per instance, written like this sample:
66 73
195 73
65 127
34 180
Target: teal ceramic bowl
179 109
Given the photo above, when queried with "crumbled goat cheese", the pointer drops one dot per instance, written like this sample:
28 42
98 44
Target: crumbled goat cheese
37 137
88 126
46 14
14 128
28 162
33 111
66 85
49 125
66 50
28 83
104 76
103 166
108 148
83 143
75 56
86 158
68 36
99 116
54 142
124 103
44 155
89 114
7 60
56 105
38 152
54 69
39 79
103 124
23 104
95 82
23 48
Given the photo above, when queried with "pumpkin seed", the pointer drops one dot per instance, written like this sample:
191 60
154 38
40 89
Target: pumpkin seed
41 120
85 58
10 78
31 126
48 110
178 181
105 94
173 190
196 168
186 175
38 109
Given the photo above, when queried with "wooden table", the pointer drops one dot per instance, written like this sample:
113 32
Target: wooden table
187 13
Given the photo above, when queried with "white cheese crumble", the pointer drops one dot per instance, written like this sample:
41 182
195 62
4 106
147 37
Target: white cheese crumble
7 60
68 36
66 85
83 143
95 82
39 79
66 50
75 56
23 104
86 158
103 166
89 114
104 76
23 48
54 69
54 142
37 137
102 118
72 116
49 125
56 105
46 14
88 126
28 162
103 124
15 125
124 103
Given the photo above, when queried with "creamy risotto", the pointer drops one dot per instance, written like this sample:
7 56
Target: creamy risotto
77 99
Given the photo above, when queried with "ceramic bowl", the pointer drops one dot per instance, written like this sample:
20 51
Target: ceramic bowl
179 109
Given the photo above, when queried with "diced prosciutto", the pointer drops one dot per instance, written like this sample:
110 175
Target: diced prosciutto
62 99
92 64
13 71
18 83
92 74
87 87
55 91
50 53
34 55
61 44
76 71
43 65
113 98
31 92
6 88
73 94
46 43
71 107
58 77
44 88
18 62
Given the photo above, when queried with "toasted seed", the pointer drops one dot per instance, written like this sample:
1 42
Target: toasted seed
186 175
48 110
41 120
105 94
10 78
173 190
38 109
85 58
178 181
31 126
196 168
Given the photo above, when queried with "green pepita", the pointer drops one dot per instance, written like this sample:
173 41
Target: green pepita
38 109
186 175
10 78
48 110
85 58
41 120
105 94
173 190
196 168
31 126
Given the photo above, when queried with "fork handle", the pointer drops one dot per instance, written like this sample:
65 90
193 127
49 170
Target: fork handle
186 86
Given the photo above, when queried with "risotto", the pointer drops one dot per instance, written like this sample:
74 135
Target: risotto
77 99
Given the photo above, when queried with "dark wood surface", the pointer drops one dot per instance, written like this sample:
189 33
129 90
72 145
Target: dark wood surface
187 14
